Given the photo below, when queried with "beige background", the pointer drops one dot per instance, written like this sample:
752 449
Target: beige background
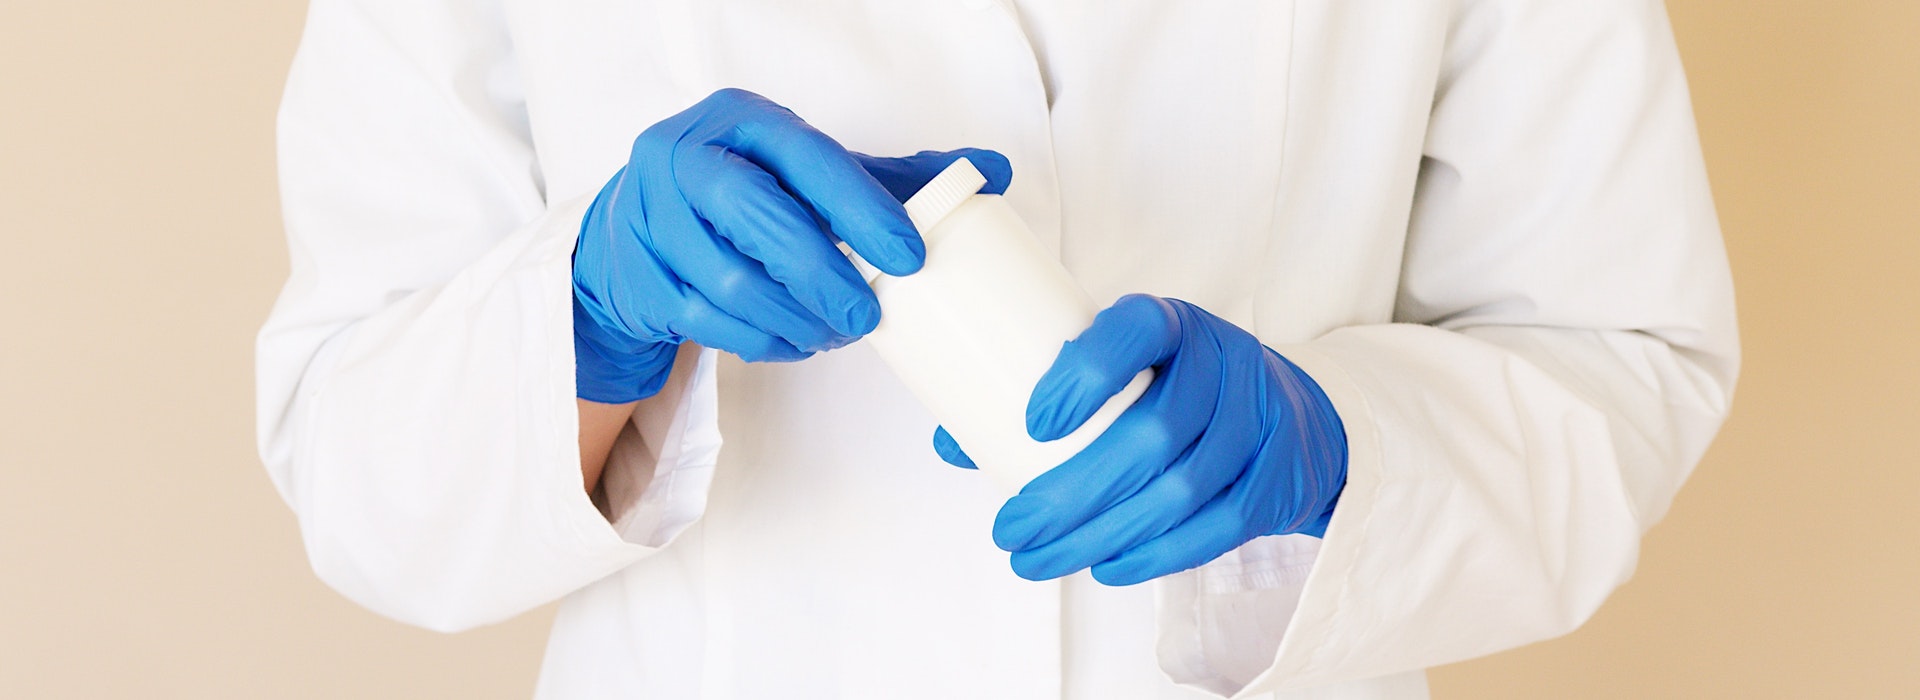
144 553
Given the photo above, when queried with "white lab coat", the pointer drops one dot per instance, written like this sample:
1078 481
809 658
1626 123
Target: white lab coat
1483 226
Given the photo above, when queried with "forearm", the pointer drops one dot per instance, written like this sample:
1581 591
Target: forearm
600 424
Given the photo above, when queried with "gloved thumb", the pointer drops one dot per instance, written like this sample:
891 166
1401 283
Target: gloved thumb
950 450
904 176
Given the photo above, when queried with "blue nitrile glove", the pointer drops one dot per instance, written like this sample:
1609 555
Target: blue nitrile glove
1231 442
718 231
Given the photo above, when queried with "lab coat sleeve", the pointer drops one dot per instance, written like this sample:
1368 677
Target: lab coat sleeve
416 399
1564 351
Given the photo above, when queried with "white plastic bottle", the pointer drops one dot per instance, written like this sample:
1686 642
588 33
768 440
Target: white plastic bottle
973 330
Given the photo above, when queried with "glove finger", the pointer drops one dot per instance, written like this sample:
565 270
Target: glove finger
1218 527
1133 520
732 281
1137 332
1207 468
700 321
746 205
823 175
904 176
949 450
1140 444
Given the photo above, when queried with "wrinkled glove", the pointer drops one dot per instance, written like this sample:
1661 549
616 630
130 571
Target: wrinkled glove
721 230
1231 442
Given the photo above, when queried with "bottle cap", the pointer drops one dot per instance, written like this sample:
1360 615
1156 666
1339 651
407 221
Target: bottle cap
939 196
927 207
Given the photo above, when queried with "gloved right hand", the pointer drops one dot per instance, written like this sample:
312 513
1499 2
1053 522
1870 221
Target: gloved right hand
720 230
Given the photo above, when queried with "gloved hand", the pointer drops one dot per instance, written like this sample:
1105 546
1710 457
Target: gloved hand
720 230
1230 442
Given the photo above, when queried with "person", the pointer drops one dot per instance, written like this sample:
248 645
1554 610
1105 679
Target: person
1434 294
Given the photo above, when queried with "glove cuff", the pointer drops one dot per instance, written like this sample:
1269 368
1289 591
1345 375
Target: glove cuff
1323 441
614 367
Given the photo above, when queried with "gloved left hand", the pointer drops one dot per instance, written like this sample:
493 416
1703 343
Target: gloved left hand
1231 442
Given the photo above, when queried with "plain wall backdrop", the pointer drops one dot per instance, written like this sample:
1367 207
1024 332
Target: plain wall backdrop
143 552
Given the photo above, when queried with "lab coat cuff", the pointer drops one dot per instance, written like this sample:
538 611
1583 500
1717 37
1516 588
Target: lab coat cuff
1219 624
569 506
661 467
459 501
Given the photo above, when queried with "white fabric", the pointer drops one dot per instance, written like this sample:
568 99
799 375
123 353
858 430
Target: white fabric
1482 226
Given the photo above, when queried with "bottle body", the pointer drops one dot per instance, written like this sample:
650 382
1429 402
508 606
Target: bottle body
972 332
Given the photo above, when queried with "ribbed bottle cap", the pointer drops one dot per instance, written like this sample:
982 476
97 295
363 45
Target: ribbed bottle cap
947 190
930 205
